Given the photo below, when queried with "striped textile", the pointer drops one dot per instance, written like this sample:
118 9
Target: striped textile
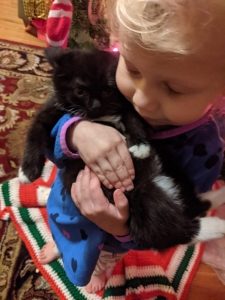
59 23
139 275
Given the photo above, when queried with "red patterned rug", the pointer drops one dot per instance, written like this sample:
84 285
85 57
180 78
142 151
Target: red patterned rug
24 85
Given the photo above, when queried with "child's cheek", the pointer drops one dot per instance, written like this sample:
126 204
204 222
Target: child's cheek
125 85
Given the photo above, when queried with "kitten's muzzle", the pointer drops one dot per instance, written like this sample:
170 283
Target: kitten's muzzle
95 104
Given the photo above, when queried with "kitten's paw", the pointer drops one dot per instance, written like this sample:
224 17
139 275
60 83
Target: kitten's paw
140 151
26 175
211 228
22 177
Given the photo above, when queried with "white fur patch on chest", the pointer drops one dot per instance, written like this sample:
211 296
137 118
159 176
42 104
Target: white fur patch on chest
140 151
115 120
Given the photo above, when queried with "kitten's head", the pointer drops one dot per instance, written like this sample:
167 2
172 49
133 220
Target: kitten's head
84 81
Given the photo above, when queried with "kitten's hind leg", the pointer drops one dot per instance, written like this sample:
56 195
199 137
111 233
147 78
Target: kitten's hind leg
216 198
210 228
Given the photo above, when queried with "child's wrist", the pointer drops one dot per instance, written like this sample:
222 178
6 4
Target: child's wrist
65 137
71 137
123 238
123 234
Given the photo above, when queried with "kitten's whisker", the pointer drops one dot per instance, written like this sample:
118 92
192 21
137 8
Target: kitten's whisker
77 111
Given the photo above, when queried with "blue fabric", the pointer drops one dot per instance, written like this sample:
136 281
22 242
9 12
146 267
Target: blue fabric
200 154
78 240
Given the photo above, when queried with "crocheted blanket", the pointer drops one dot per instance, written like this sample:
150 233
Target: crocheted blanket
139 275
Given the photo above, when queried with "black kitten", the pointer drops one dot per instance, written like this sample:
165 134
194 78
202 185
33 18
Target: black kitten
164 209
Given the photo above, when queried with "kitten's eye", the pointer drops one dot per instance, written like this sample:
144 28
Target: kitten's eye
107 92
80 92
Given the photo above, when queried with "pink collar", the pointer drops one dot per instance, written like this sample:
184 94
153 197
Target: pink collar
181 129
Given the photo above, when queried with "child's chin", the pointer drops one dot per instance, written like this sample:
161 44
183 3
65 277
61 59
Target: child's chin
156 123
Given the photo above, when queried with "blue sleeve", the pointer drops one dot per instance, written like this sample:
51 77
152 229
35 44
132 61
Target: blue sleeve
57 155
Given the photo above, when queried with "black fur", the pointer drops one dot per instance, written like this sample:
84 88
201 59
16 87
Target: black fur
84 83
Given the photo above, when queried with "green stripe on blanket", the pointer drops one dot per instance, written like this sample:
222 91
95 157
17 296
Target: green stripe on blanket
5 192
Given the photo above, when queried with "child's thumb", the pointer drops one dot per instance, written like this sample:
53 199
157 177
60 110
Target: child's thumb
121 203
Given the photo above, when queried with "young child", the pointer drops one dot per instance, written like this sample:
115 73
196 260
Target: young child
172 69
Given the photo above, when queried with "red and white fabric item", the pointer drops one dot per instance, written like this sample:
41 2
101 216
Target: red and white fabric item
59 23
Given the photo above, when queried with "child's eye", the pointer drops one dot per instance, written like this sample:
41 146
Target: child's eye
131 68
133 72
171 90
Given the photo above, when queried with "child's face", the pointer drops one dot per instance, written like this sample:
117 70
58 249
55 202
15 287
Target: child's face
169 89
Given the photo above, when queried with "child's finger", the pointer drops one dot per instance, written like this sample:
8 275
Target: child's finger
108 171
96 169
126 158
74 192
121 203
85 183
119 169
81 193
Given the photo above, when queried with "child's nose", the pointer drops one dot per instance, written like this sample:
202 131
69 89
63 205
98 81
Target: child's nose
145 101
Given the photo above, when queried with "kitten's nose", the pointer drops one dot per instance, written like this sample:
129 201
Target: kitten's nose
96 103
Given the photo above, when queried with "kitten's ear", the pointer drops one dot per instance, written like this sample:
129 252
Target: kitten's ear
53 55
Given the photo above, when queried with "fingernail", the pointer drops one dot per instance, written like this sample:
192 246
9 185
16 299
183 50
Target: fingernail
130 188
127 182
118 185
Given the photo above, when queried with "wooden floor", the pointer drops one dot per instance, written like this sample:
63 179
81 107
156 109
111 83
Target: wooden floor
206 285
11 27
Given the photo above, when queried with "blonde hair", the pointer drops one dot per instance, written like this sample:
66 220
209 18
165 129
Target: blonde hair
162 25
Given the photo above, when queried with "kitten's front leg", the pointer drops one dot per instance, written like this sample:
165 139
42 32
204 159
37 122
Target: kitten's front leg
37 142
34 153
32 164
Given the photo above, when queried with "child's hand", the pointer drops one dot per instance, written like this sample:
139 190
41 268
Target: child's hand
105 151
87 194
